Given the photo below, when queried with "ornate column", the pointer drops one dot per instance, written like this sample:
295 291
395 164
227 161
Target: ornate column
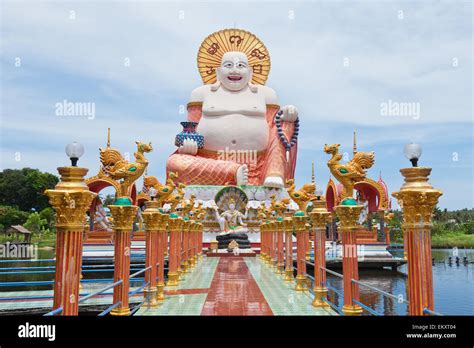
70 200
273 249
175 224
280 269
299 223
320 217
152 218
288 228
308 245
185 245
123 216
200 237
162 250
192 245
418 198
262 241
348 213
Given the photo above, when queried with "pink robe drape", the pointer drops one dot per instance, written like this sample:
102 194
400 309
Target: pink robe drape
206 168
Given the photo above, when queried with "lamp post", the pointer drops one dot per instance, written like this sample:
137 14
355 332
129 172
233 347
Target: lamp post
279 231
288 229
151 216
175 225
162 250
319 217
418 198
299 221
185 245
70 200
123 216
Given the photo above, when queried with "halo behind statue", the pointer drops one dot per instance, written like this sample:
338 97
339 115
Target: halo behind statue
231 194
215 45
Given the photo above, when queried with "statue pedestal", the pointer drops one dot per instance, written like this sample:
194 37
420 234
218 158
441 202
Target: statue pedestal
234 253
240 237
251 197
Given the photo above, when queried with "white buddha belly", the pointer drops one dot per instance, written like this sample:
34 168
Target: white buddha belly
234 121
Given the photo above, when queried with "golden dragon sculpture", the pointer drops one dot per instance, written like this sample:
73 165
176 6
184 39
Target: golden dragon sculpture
115 167
279 206
351 172
302 196
163 192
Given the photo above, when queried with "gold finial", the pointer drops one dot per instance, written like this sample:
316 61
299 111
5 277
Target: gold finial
313 178
354 149
108 137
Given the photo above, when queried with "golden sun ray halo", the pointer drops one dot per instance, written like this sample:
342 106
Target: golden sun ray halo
215 45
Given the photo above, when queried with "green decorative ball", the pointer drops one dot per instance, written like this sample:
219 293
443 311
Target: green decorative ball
349 201
123 201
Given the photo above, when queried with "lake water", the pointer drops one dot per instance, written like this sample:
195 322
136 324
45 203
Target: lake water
453 284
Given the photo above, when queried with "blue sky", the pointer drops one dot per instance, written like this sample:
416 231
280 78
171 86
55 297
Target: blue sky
418 52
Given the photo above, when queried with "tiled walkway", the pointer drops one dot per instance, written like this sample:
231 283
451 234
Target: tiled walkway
235 286
216 286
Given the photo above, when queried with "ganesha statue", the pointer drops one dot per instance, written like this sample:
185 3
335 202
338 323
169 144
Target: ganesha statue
248 139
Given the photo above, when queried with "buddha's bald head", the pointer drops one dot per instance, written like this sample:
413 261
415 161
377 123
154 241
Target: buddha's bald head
234 73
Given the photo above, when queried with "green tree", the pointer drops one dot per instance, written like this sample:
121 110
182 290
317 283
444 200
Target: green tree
25 187
48 215
11 216
35 223
109 200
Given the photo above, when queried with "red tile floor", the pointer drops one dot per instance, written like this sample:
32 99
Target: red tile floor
233 291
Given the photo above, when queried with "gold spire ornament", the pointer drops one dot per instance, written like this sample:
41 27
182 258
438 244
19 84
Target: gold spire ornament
233 40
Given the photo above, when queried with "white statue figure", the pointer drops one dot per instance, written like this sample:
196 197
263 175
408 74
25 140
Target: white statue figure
236 114
231 220
100 217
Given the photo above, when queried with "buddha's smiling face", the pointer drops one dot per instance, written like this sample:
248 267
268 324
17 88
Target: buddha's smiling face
234 73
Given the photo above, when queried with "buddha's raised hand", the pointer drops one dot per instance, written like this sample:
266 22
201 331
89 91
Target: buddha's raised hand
189 147
290 113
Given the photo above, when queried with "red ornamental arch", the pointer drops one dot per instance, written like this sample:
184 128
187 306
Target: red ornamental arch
97 184
332 195
374 192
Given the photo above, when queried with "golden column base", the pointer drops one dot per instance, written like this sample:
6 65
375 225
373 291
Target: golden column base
160 292
280 268
173 279
121 312
319 293
267 259
184 267
301 283
180 273
289 275
352 310
150 297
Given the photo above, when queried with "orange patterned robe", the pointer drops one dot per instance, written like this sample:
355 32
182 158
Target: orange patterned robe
208 168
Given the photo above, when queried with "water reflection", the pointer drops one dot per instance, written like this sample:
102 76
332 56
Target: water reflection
453 283
453 286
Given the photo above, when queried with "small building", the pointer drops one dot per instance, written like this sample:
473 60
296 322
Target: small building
18 234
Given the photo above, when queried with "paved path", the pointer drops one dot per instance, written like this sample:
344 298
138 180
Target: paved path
235 286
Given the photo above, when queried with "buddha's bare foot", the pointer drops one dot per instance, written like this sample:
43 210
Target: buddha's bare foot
242 175
273 181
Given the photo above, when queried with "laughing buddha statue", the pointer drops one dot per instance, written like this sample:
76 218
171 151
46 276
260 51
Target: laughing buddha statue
238 115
